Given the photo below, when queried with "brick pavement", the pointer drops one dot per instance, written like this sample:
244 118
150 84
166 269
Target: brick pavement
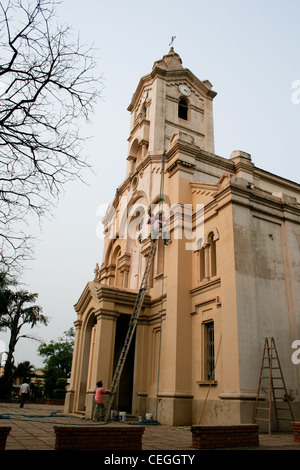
33 429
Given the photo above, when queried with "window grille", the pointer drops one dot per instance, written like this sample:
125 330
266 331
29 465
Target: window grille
210 350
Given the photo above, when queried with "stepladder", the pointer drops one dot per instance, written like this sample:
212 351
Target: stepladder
131 329
272 400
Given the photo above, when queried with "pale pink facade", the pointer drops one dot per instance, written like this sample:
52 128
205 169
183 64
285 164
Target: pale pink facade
228 277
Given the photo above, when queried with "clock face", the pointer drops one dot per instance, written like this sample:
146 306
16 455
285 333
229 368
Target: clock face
184 90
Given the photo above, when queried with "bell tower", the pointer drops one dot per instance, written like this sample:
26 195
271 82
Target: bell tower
169 100
171 126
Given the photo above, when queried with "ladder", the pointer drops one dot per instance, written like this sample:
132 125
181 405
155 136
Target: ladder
131 328
270 383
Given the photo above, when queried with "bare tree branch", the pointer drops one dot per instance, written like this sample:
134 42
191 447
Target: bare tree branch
47 90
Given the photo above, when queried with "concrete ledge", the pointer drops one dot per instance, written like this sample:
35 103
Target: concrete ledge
210 437
49 401
4 432
98 437
296 430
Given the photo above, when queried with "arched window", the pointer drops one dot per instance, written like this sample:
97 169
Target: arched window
183 107
208 257
202 263
115 262
213 255
143 112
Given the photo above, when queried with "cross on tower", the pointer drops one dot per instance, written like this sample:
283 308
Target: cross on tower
172 40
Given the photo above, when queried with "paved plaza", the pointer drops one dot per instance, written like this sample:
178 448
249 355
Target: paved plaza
32 428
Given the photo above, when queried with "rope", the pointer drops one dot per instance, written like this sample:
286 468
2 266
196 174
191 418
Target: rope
37 418
51 415
22 417
145 422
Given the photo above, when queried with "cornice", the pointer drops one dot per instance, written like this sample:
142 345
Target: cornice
87 295
259 201
207 285
215 160
145 79
101 292
159 72
181 146
276 180
180 74
199 155
180 164
199 185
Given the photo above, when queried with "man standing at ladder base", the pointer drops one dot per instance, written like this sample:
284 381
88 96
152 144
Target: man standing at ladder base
99 409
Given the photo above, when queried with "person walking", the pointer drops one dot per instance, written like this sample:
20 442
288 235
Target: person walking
24 392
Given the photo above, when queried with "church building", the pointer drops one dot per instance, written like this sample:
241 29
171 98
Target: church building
225 276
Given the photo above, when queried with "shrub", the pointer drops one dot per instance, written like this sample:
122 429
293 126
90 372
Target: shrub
59 394
61 383
60 391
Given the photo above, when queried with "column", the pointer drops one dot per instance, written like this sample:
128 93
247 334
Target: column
69 400
102 367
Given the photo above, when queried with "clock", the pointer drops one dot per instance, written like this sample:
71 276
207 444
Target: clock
184 90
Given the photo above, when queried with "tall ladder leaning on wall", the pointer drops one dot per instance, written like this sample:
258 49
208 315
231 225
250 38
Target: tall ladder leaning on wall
270 383
136 310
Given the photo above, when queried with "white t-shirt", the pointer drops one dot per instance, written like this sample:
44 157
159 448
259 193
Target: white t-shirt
25 388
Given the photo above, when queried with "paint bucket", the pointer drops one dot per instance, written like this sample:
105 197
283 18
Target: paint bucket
122 416
149 416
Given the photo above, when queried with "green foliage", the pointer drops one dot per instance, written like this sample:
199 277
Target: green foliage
61 383
59 394
60 391
5 388
58 361
37 389
17 309
24 370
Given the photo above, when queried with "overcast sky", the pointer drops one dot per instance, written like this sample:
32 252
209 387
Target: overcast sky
249 50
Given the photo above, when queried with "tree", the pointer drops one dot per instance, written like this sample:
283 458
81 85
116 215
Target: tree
46 88
16 312
24 370
58 360
5 293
